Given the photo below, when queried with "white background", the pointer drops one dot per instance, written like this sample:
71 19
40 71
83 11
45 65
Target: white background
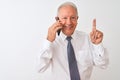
23 23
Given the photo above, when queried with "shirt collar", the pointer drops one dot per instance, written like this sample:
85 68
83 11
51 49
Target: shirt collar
63 36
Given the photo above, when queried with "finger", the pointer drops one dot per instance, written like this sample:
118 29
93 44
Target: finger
58 25
96 35
94 25
100 34
92 37
58 28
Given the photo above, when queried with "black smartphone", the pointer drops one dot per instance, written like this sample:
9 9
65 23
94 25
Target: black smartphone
58 32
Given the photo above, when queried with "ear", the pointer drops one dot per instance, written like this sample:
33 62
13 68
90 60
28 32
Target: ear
77 17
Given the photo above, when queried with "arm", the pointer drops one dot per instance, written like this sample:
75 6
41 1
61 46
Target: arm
45 57
100 54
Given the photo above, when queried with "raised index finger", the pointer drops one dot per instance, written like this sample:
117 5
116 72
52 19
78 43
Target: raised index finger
94 25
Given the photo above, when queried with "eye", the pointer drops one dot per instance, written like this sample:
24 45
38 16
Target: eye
73 18
64 18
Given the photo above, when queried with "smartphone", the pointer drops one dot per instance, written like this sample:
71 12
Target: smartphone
58 32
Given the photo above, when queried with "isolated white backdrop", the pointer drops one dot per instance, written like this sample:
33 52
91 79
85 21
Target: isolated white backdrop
23 23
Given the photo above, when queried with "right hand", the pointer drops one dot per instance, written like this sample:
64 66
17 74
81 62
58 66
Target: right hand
96 35
53 29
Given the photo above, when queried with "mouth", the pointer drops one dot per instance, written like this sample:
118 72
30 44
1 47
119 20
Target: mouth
68 27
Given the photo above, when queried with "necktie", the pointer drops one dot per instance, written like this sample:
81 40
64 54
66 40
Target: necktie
74 73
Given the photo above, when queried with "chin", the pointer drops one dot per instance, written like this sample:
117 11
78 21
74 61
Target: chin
69 33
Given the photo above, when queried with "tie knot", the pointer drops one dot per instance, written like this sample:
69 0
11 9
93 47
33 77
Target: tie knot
68 38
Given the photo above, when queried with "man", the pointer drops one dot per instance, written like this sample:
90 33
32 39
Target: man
88 51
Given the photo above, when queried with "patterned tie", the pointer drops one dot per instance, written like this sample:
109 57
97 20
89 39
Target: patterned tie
74 73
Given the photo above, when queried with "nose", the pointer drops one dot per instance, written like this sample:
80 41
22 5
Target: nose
68 21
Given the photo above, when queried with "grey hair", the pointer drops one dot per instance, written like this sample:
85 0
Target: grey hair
67 4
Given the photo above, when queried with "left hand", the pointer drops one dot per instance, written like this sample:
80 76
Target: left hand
96 35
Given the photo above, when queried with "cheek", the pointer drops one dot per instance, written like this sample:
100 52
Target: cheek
75 24
63 22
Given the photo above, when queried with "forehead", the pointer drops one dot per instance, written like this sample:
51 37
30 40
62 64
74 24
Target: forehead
67 10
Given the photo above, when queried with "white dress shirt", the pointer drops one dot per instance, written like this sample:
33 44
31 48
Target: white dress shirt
54 55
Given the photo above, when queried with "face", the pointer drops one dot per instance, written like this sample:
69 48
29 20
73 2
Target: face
68 17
